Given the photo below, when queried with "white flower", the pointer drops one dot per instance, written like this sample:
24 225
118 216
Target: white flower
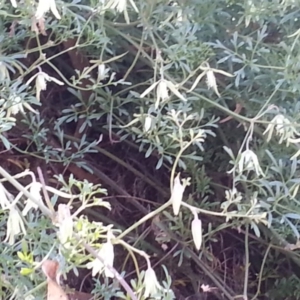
121 7
197 231
102 72
162 91
3 72
15 225
281 125
210 77
151 283
41 82
15 105
65 224
249 161
147 123
44 6
107 254
177 194
13 3
211 81
35 191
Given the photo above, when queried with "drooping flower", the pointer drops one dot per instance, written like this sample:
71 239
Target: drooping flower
162 91
151 283
15 225
196 228
281 125
102 72
41 82
44 6
211 81
249 161
210 77
35 191
147 123
15 105
106 253
65 224
177 194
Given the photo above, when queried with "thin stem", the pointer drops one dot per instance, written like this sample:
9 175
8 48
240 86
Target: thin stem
246 262
144 219
261 272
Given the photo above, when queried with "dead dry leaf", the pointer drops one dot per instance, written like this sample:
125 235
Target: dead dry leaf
55 291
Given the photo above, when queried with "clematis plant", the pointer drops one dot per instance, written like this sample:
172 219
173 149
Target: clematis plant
106 253
41 82
151 283
162 91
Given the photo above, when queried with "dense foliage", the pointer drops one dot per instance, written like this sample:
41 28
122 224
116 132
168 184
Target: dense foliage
163 132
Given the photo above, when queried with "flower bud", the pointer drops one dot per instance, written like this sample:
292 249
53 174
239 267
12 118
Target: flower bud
148 123
177 194
197 232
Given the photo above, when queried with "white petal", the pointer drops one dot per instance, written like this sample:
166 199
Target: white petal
147 124
41 81
40 85
65 223
31 79
177 194
174 90
162 90
42 8
134 6
150 282
13 3
211 81
149 89
197 232
3 72
3 198
54 9
197 81
55 80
